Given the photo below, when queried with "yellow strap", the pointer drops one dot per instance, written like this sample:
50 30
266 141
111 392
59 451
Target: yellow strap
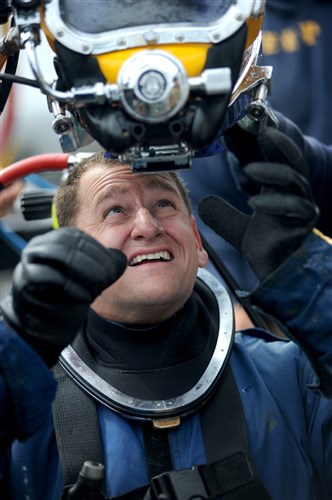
322 236
55 222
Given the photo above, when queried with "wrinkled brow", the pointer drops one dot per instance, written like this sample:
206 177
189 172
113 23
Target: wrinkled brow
152 183
163 183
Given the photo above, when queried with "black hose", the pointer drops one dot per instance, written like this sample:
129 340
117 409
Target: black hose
6 84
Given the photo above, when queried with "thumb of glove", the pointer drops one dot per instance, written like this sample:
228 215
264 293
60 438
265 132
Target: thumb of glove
224 219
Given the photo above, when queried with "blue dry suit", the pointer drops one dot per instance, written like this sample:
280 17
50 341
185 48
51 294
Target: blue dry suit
289 425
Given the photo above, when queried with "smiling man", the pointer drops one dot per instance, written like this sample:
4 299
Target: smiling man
154 384
148 218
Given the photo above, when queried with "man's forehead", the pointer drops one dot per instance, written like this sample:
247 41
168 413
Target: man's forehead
119 178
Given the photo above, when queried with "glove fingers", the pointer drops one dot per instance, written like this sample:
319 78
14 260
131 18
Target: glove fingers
69 255
47 283
224 219
279 176
278 148
287 206
96 266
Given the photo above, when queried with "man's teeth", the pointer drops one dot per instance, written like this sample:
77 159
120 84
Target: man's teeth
150 256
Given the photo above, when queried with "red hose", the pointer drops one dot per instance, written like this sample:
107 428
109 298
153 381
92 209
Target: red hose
34 164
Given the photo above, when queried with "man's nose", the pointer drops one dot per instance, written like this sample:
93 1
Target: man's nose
146 225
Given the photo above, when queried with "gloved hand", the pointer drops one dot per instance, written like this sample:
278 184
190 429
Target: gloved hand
284 210
59 276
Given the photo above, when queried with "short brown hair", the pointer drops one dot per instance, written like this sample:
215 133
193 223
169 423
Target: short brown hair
66 198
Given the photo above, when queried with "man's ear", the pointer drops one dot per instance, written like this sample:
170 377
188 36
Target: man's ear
202 254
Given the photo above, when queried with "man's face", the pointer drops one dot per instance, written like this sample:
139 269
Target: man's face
145 217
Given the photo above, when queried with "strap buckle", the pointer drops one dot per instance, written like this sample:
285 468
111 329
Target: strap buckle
186 484
208 482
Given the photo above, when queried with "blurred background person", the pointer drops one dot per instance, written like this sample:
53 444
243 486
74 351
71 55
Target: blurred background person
297 42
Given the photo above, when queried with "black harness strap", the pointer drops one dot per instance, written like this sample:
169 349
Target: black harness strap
76 427
229 473
157 450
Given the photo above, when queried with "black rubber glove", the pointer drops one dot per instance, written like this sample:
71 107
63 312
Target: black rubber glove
59 276
283 212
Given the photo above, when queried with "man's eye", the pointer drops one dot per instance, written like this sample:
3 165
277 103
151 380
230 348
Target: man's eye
114 211
165 204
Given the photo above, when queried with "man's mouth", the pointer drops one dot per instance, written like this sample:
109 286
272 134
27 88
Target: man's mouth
163 256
